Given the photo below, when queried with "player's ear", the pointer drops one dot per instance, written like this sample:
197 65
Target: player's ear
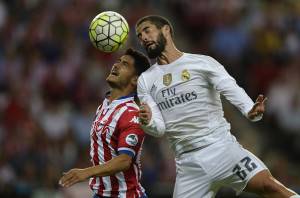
166 30
134 80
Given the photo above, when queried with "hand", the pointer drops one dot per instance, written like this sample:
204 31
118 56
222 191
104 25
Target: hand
73 176
145 114
258 108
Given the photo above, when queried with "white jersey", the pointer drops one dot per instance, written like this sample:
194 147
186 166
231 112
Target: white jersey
185 96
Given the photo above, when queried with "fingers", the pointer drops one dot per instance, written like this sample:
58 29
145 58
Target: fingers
68 179
259 107
144 114
260 103
144 118
264 101
69 182
144 107
260 98
144 111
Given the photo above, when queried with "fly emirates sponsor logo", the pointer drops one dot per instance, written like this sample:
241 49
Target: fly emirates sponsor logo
170 98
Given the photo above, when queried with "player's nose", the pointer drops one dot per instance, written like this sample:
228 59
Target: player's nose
115 66
144 38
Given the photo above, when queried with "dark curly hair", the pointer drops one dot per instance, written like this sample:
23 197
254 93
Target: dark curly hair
141 62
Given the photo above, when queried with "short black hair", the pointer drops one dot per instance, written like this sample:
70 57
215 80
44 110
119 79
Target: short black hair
141 62
158 21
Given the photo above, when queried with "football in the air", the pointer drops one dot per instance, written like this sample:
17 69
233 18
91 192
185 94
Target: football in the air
108 31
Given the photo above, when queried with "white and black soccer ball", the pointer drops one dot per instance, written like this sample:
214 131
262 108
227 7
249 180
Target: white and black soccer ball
108 31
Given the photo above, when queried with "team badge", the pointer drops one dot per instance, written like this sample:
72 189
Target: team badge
167 79
185 75
132 139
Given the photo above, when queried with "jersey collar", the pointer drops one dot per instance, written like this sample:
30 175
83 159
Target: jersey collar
120 99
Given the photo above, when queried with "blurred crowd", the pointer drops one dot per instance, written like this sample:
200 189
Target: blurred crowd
52 80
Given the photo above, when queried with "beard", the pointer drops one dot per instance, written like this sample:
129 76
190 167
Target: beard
159 47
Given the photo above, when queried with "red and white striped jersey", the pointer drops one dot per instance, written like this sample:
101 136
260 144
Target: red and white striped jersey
116 130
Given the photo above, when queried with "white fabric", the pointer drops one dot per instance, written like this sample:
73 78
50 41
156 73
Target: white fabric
203 172
184 97
156 126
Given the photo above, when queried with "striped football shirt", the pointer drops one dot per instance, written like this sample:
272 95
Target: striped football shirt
116 130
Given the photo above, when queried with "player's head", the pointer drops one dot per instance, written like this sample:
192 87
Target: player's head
153 33
127 69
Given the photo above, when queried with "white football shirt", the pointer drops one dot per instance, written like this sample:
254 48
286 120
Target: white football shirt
184 97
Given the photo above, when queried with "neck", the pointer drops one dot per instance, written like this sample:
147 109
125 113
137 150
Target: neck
117 93
169 55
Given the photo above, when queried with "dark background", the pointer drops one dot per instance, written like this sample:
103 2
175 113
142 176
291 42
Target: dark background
52 80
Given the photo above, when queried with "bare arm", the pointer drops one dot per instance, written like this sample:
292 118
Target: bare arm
120 163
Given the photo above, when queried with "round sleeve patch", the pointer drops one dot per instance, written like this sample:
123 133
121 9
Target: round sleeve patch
132 139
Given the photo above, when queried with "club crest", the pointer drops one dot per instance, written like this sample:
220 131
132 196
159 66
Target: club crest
167 79
132 139
185 75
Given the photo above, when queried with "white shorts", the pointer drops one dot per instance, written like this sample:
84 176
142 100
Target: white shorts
201 173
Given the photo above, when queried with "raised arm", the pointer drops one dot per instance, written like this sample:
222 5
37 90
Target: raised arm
236 95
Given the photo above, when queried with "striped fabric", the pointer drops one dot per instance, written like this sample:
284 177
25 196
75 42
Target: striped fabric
116 130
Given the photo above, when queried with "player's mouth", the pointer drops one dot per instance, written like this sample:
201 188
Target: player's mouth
149 44
114 73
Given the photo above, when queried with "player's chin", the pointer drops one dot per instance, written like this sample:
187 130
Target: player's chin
112 79
151 48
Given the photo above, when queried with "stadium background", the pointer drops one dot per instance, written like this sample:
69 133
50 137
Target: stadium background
52 80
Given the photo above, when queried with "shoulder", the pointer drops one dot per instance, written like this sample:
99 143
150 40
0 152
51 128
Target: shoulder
200 58
130 116
131 109
150 71
202 63
147 77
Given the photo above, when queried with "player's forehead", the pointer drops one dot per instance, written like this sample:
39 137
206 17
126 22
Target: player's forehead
142 26
127 59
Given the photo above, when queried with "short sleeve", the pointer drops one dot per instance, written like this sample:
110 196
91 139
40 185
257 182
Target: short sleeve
131 135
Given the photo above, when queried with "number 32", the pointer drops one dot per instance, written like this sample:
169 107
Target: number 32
248 164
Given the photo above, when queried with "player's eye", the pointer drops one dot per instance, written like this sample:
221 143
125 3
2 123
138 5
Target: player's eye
147 30
125 63
139 36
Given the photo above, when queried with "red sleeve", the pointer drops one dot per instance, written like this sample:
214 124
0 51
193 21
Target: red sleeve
131 135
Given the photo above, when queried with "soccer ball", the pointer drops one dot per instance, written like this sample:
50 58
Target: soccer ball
108 31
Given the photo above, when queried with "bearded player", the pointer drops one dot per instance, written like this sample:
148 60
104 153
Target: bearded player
181 96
